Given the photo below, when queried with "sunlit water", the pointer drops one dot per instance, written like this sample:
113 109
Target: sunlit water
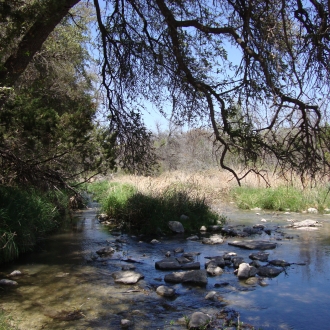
63 276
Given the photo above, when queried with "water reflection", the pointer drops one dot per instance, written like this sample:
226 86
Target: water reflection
63 276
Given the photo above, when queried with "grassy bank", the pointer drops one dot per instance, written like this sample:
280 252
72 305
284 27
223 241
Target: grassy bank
281 198
148 210
217 188
25 217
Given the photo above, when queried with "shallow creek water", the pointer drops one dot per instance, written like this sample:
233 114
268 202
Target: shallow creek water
63 276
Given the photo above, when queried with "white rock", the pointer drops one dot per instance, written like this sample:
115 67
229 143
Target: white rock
154 241
312 210
8 282
125 323
127 277
305 223
243 271
212 295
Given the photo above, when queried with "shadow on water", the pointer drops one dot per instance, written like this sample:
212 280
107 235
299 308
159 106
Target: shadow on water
66 277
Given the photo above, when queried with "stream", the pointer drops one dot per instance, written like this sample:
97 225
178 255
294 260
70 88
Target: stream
65 278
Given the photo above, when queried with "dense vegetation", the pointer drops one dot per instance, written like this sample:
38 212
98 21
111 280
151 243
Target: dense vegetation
282 198
26 216
149 212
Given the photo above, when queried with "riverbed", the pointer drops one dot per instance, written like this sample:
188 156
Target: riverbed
65 285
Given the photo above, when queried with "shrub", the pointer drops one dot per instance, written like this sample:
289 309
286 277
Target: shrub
149 213
25 216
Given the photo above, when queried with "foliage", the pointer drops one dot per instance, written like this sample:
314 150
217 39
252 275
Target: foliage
98 189
281 198
48 135
149 213
256 73
247 70
25 217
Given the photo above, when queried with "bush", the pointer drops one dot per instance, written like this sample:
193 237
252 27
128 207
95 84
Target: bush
149 214
25 216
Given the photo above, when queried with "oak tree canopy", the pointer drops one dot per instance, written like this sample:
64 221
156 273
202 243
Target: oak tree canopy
256 72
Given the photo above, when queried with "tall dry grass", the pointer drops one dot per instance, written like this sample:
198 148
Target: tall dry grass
217 185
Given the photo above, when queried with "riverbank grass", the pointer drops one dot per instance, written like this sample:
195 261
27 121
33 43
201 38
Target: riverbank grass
25 217
281 198
148 212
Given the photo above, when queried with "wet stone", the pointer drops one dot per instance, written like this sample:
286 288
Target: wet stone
174 264
193 238
179 250
214 270
305 223
267 271
236 261
127 277
254 245
126 323
128 267
213 295
105 251
198 320
221 285
281 263
176 227
218 261
261 256
194 277
6 282
165 291
15 273
214 239
252 281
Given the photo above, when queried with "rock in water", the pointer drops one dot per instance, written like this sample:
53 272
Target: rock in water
254 245
127 277
199 320
8 282
176 227
165 291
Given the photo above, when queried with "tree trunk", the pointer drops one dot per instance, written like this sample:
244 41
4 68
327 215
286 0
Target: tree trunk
45 23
